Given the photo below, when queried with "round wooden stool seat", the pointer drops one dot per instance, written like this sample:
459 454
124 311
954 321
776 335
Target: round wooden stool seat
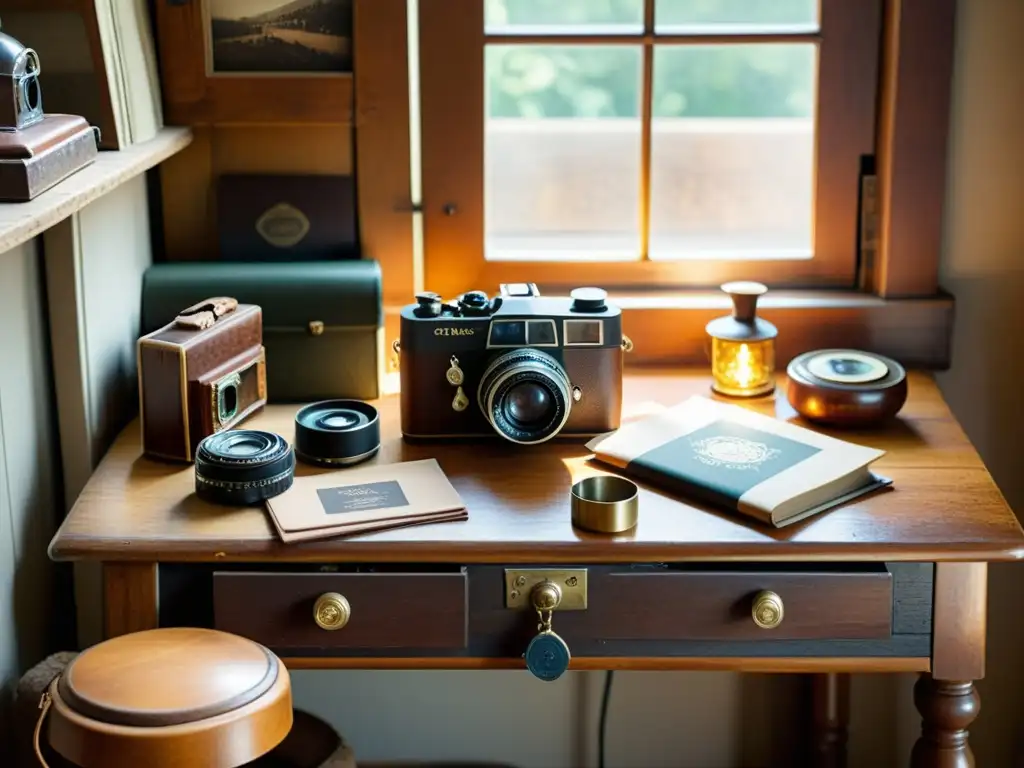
170 697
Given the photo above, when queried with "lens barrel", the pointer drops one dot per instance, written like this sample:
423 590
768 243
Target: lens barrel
525 396
335 433
242 467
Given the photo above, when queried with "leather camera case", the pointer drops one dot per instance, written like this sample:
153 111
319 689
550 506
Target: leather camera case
201 373
323 321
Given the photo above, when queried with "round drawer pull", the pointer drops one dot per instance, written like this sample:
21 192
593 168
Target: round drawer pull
767 610
331 611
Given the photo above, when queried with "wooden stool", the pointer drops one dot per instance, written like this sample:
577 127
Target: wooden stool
165 698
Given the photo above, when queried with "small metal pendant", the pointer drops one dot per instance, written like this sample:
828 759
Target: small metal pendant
455 375
461 401
547 656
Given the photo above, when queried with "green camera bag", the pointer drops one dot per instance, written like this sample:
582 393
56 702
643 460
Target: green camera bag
323 321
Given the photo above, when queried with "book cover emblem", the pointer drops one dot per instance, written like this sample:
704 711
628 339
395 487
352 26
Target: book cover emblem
283 225
732 452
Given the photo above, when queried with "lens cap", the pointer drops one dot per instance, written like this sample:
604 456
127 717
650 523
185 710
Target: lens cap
335 433
241 467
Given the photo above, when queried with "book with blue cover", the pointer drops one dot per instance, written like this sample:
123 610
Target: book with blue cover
733 458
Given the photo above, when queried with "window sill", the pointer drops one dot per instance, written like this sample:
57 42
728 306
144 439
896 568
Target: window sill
668 327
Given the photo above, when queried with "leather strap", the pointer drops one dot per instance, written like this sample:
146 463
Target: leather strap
44 706
205 313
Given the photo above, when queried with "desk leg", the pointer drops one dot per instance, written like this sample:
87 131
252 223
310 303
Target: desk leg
129 598
831 719
947 699
947 709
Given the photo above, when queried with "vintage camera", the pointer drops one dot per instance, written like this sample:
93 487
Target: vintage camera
37 150
520 365
199 375
21 98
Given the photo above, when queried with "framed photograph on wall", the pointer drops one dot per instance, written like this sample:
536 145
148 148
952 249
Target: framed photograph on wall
229 62
279 37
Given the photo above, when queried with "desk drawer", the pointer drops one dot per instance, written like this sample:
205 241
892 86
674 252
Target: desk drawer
699 605
395 610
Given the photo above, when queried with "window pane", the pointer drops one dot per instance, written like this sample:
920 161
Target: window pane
584 16
562 152
732 151
736 15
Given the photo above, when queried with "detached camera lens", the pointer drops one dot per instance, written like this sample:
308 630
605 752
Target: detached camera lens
525 395
241 467
337 432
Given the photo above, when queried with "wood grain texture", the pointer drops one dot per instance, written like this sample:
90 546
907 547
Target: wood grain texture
452 40
958 643
717 605
944 504
195 698
189 180
389 610
652 663
193 97
671 330
382 146
914 104
686 625
830 718
245 100
947 710
23 221
130 598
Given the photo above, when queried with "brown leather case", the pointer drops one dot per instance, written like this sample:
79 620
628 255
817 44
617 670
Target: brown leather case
200 374
168 698
52 130
37 158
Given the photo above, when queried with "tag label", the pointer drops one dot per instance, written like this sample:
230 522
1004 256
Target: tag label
362 498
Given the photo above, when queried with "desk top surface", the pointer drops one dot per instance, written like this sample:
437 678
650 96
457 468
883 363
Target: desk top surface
943 505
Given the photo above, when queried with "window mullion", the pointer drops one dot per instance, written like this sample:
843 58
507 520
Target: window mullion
646 108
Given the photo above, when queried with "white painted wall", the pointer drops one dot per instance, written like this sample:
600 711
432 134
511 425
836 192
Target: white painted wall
983 266
29 472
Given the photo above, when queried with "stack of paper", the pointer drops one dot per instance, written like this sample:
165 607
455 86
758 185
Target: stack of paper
374 498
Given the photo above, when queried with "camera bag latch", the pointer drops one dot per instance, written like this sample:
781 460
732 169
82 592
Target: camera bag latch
205 313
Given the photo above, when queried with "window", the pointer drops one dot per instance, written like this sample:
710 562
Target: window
645 142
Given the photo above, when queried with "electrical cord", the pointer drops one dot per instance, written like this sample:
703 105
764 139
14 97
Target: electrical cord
602 726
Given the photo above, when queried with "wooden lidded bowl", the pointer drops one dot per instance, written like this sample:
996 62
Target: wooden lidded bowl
846 387
170 697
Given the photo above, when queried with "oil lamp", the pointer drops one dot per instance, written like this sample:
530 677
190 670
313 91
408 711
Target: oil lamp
742 345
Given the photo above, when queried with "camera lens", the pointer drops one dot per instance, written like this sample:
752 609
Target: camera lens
243 467
337 432
525 395
529 403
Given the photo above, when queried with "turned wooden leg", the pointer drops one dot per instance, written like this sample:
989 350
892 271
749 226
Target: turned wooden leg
947 708
831 719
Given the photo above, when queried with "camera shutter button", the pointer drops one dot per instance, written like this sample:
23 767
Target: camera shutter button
588 299
429 304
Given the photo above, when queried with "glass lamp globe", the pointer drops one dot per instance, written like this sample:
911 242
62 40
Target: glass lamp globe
742 345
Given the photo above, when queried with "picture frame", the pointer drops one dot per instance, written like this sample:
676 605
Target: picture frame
270 61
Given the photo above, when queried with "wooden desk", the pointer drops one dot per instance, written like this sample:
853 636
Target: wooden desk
895 582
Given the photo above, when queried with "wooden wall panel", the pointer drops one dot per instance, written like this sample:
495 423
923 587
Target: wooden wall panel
188 180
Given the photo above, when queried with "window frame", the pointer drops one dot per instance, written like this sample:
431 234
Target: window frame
451 67
895 307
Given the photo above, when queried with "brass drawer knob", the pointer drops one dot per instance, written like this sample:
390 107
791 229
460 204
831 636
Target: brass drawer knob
331 611
767 610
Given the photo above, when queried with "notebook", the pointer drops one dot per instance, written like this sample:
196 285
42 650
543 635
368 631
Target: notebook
360 500
739 460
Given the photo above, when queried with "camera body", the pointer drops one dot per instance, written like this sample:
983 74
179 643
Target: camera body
203 373
526 367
